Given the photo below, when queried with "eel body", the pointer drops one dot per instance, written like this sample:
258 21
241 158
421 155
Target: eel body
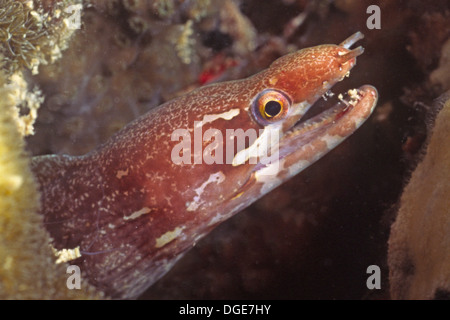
137 203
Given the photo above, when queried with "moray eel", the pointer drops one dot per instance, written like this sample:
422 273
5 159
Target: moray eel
136 204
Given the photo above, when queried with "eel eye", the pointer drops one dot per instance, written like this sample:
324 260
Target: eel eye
270 106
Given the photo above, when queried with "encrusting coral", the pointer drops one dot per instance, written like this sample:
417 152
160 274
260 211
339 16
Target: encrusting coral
419 252
29 35
32 34
27 266
419 256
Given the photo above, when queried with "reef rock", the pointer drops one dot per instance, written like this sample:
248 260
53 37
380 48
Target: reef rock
419 245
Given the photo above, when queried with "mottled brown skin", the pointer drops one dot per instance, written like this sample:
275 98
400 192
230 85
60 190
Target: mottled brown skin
126 204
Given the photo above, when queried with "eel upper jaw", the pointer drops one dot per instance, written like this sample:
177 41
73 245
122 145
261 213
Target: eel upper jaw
350 58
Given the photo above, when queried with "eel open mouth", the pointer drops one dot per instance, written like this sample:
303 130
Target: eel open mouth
309 140
353 108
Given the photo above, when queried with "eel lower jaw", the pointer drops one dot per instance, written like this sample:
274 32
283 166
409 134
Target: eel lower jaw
353 98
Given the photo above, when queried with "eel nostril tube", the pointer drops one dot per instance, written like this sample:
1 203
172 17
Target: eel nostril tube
347 43
352 54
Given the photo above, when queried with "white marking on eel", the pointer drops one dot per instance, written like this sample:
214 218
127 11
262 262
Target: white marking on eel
298 167
213 117
217 177
137 214
299 108
168 237
269 138
121 173
332 140
216 219
268 176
